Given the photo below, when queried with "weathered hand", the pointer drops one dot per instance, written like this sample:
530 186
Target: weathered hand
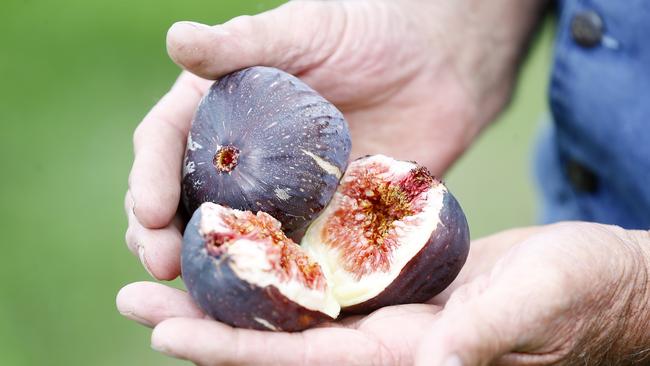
570 294
415 79
387 337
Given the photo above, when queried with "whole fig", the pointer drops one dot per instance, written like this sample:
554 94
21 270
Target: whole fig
262 140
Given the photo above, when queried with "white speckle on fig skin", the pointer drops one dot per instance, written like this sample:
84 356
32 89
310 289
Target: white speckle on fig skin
189 168
323 164
282 194
266 324
192 145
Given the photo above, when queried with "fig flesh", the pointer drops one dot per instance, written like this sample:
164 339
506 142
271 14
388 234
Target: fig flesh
262 140
392 234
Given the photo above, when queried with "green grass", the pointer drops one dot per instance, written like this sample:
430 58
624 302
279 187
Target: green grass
76 77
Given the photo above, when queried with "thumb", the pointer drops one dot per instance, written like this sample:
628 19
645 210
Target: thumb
294 37
470 331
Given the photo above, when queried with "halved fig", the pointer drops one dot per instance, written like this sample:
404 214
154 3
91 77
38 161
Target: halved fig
262 140
241 269
392 234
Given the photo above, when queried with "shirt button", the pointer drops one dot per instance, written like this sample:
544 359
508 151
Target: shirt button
582 179
587 28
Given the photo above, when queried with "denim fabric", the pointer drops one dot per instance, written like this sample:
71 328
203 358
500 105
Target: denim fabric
600 104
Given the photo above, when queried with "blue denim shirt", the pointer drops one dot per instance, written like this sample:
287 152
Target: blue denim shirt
593 164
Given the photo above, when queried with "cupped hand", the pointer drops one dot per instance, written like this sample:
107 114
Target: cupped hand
569 293
388 336
566 294
392 67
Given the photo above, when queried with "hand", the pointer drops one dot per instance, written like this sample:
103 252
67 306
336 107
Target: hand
415 79
389 336
566 293
569 294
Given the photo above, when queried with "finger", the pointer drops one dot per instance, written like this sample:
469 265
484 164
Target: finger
158 249
159 144
294 37
150 303
477 332
207 342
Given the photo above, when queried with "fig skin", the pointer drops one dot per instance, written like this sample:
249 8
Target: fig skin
446 252
262 140
221 294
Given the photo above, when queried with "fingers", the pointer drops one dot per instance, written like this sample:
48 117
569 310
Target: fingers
182 331
154 182
294 37
207 342
158 249
476 330
159 143
150 303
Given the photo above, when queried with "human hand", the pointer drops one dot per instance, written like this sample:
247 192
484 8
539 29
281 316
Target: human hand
415 79
388 336
569 294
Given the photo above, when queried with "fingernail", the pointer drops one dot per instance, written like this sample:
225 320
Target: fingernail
143 259
453 360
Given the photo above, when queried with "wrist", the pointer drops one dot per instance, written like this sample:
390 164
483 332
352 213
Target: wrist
494 36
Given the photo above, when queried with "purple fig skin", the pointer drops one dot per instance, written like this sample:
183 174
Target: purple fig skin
225 297
433 268
290 147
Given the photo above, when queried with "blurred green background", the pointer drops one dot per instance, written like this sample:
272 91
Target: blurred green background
76 77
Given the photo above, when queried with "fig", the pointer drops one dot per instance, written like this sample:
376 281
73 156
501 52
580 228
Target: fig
242 269
262 140
391 234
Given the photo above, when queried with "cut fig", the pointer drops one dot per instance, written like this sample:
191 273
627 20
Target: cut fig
241 269
392 234
262 140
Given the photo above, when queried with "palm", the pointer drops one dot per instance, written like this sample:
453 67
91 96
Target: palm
387 336
397 331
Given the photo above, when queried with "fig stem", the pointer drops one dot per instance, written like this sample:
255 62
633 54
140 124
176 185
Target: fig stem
225 159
